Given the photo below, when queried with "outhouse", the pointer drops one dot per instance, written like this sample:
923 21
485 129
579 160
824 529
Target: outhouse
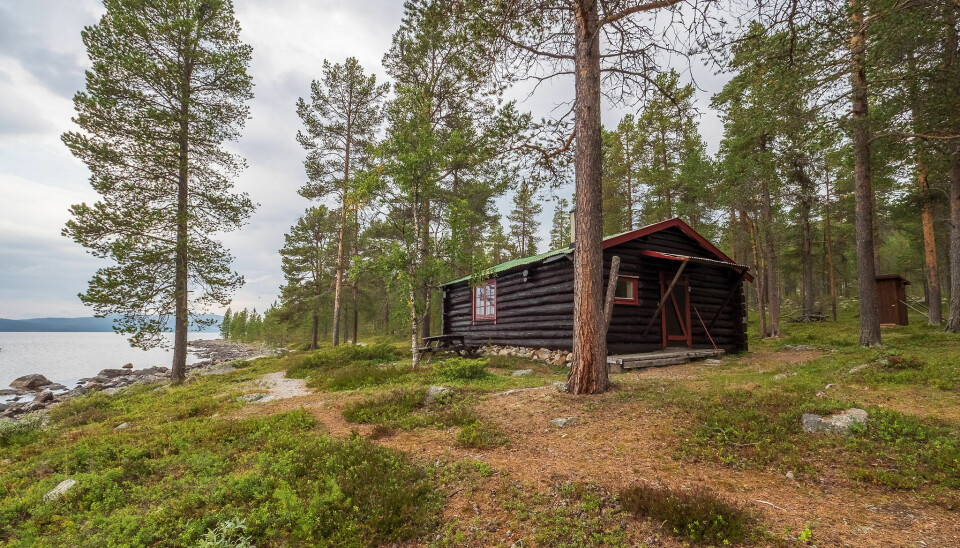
892 299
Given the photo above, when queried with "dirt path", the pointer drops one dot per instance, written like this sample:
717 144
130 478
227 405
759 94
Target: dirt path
620 441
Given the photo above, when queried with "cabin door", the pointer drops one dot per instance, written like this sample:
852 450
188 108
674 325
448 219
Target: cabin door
675 317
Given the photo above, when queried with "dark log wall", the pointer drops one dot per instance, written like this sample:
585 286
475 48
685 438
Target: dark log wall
539 312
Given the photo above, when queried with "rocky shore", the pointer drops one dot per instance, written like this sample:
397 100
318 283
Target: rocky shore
35 392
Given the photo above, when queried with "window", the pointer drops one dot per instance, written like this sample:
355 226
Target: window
627 291
485 301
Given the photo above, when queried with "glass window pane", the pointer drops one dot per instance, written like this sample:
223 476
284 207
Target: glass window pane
624 289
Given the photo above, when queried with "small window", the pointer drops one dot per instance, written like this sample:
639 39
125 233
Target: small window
485 301
627 291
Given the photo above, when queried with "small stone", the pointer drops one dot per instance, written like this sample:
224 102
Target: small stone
122 426
30 382
823 393
111 373
521 372
798 348
569 357
714 362
60 490
789 475
128 366
560 386
859 368
435 392
562 422
255 397
779 376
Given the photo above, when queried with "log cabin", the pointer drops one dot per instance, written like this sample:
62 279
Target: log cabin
674 289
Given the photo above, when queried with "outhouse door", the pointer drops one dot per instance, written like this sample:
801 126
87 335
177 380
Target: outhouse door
675 318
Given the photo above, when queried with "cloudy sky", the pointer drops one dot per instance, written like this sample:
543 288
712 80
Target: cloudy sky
42 60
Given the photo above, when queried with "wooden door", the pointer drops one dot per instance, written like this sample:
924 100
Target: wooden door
675 317
887 302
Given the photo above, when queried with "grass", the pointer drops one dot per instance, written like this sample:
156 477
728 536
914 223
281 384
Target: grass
407 409
696 514
181 472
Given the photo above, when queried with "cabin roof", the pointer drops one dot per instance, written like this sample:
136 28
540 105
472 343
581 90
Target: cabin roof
608 241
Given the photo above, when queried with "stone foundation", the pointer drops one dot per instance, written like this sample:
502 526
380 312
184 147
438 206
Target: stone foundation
553 357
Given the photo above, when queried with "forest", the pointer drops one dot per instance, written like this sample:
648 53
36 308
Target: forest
834 115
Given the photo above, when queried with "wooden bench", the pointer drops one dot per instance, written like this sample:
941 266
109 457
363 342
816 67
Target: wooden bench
447 343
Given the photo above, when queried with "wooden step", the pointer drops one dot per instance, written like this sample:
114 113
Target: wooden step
659 359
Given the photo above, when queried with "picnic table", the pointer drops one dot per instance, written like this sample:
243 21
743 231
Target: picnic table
447 343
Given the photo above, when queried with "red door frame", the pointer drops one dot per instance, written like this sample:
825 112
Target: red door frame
683 284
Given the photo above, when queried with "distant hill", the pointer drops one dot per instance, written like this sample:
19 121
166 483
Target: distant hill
77 325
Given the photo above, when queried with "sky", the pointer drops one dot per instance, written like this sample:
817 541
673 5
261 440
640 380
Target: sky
42 63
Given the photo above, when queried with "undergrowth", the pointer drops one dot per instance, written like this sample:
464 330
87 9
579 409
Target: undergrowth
696 514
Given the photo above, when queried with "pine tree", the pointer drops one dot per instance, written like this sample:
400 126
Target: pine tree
167 87
340 119
225 325
560 231
523 218
306 261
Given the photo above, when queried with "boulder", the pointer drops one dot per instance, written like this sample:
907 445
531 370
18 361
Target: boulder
148 371
43 397
562 422
560 386
838 423
55 386
435 392
112 373
860 367
127 366
30 382
779 376
255 397
521 372
60 490
10 392
122 426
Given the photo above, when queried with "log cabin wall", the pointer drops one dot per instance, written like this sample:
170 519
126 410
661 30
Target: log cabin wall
538 312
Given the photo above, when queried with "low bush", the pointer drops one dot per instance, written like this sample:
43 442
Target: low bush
697 514
460 369
358 376
407 408
20 432
480 435
341 356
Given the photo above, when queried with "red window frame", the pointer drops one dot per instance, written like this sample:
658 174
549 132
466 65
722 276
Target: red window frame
634 284
482 307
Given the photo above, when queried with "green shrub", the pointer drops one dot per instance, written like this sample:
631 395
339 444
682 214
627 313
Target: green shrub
460 369
480 435
406 408
341 356
229 534
22 431
358 376
696 514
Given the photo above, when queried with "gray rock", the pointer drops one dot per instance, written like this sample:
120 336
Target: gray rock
823 393
148 371
560 386
3 407
779 376
10 392
61 489
56 386
122 426
521 372
435 392
713 362
93 385
43 397
798 348
255 397
30 382
860 367
838 423
112 373
128 366
562 422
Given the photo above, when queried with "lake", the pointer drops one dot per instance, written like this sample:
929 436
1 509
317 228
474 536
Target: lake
66 357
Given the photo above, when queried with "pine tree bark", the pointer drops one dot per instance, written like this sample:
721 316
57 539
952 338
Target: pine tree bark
953 322
588 373
806 255
863 191
178 370
356 282
934 300
829 241
314 330
769 252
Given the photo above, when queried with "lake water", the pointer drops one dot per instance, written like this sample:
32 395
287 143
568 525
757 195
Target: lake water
66 357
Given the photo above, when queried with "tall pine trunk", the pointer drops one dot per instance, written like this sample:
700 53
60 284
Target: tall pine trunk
178 370
953 322
829 242
769 252
356 281
863 191
806 255
934 300
588 373
314 329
